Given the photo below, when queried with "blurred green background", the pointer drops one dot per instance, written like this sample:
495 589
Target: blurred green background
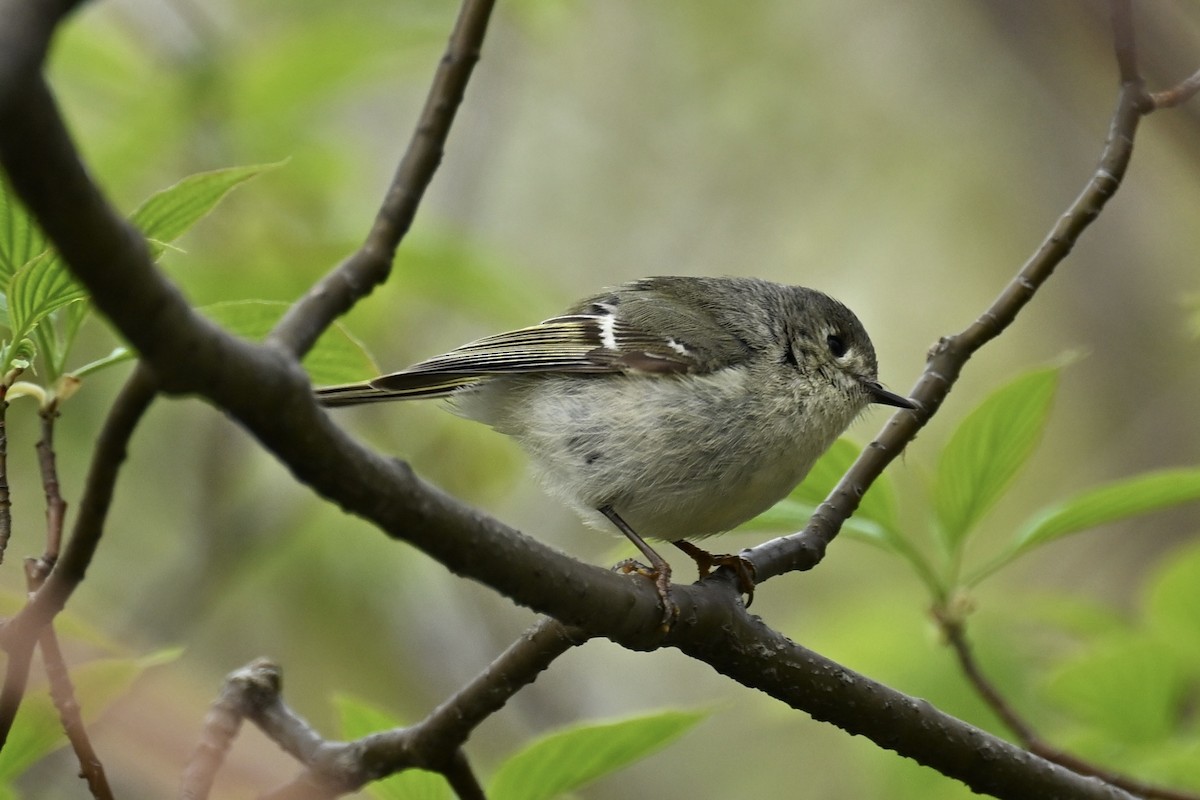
906 158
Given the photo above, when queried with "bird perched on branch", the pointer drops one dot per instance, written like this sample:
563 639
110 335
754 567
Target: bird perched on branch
672 408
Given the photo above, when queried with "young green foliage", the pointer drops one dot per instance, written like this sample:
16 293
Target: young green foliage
548 767
358 719
43 307
567 760
983 455
986 451
1113 502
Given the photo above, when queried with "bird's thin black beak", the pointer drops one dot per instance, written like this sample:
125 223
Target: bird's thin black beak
880 395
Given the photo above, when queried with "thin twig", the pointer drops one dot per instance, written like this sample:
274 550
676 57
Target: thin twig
1179 94
255 684
462 779
127 410
434 744
805 550
19 634
62 692
355 277
1125 42
56 507
956 637
16 677
5 496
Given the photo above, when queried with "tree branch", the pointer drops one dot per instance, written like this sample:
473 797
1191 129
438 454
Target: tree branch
334 768
804 550
370 265
268 393
956 636
127 411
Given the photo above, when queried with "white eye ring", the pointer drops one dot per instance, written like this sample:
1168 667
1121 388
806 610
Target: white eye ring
837 345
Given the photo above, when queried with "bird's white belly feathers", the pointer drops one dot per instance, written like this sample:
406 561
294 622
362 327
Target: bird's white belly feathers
712 454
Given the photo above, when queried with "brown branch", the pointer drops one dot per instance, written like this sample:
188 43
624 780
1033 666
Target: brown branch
956 637
829 692
434 744
355 277
805 550
255 685
1179 94
62 692
127 411
1125 42
56 507
16 678
24 38
269 395
5 495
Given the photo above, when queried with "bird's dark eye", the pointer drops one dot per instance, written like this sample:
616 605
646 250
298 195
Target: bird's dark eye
837 345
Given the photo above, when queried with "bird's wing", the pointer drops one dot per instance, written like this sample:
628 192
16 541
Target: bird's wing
574 343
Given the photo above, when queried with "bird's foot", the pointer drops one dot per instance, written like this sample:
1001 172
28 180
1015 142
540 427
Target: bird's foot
661 575
706 562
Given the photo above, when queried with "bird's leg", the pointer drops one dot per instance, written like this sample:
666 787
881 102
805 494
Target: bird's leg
705 561
659 569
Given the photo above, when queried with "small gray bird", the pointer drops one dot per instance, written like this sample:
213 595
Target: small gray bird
673 407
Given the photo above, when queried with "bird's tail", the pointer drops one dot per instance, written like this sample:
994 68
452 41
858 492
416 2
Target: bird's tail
397 386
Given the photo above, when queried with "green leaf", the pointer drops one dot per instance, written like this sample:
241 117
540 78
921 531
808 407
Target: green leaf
1173 603
118 355
792 515
875 522
337 357
878 505
165 215
20 237
1131 688
37 289
988 449
1112 502
565 761
359 719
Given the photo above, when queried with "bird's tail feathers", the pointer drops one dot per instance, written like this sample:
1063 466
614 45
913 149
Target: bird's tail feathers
397 386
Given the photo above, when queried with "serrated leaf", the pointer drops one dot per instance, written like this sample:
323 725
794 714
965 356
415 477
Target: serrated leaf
359 719
39 288
337 357
165 215
20 237
988 449
565 761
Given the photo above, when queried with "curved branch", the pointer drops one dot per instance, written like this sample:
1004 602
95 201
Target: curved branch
956 636
370 265
804 550
268 393
435 743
